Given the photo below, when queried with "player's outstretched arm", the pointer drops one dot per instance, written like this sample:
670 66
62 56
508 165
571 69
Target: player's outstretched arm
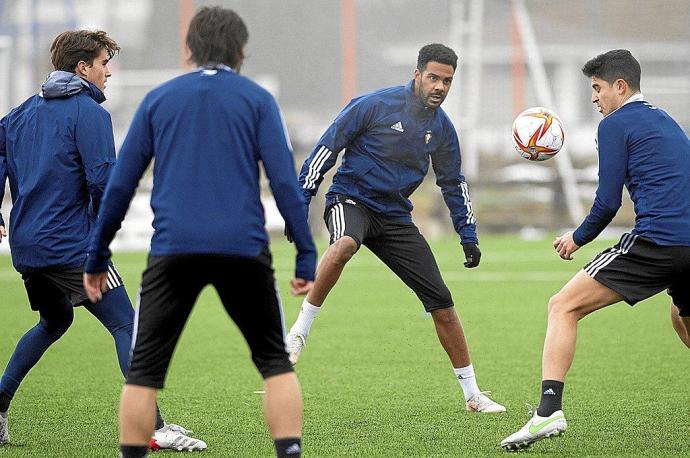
681 324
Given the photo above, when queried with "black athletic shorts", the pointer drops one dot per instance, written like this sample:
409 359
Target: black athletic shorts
169 289
44 286
637 268
399 245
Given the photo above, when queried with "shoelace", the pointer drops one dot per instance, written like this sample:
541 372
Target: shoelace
480 397
179 429
531 410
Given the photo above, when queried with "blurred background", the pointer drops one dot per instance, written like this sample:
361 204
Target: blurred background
314 55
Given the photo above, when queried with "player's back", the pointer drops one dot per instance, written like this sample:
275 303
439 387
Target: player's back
49 222
205 132
658 175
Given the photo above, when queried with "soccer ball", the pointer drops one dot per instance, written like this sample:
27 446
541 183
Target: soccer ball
538 134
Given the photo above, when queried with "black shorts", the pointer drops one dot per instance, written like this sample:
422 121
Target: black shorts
637 268
169 289
398 244
43 287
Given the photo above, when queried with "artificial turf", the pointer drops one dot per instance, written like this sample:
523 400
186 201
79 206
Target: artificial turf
375 380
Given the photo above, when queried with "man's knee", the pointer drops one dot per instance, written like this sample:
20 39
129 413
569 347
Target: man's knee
343 249
561 305
445 316
57 324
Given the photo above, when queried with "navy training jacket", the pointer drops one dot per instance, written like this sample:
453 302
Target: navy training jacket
642 148
57 149
389 137
208 132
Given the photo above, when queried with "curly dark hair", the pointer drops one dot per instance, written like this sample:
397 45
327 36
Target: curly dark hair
71 47
613 65
217 36
436 52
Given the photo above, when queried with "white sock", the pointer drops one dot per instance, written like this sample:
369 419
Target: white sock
306 316
468 382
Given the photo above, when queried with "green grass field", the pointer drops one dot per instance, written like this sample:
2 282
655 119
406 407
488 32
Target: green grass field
375 380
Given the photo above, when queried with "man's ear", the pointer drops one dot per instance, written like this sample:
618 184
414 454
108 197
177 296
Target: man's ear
80 69
621 86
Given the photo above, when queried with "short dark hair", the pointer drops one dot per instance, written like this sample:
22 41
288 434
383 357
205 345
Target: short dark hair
613 65
216 36
71 47
436 52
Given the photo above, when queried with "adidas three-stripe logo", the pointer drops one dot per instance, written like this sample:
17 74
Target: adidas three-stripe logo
315 167
398 126
603 260
337 221
468 203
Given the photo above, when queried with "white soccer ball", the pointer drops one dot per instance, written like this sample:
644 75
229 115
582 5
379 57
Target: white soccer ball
538 134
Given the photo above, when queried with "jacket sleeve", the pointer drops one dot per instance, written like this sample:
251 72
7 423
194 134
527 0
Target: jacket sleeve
613 167
276 154
352 121
135 156
446 163
94 140
3 165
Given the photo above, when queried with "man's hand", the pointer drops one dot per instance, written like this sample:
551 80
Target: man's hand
472 254
3 233
300 286
95 285
565 246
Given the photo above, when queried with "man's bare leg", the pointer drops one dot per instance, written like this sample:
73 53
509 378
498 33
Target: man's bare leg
451 335
327 274
330 268
137 416
581 296
681 324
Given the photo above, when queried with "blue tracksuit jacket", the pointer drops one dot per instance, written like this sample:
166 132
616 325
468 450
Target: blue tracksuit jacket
642 147
208 131
57 149
389 136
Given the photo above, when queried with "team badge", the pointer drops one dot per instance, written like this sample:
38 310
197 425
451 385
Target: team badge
427 137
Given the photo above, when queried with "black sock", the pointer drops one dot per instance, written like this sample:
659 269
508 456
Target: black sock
5 400
159 419
134 451
289 447
551 397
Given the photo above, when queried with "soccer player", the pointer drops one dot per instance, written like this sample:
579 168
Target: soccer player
389 137
57 150
208 130
642 148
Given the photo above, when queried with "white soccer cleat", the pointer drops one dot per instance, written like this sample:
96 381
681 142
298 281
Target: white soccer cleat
175 437
4 431
294 343
482 403
536 429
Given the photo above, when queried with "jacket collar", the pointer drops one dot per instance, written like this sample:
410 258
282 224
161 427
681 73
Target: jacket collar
60 84
415 106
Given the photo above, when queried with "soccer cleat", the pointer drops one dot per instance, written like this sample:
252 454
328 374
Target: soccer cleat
4 431
294 343
482 403
536 429
175 437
